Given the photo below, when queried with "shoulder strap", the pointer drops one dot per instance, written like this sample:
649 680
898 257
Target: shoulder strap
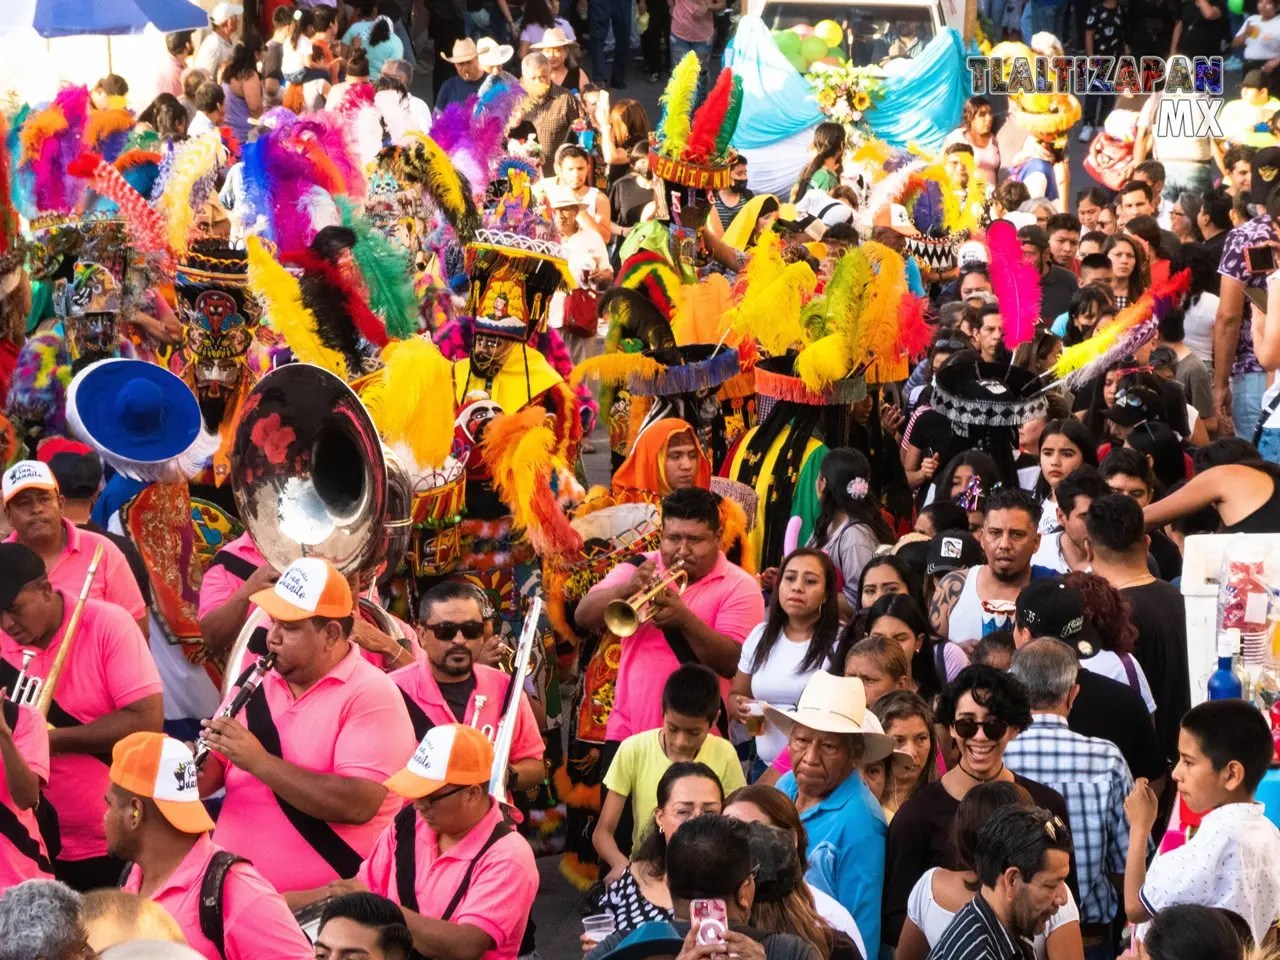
418 717
235 565
407 858
318 834
212 887
1267 411
1131 672
500 830
13 829
940 660
58 717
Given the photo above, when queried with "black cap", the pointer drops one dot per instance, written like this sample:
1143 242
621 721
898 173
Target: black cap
1035 234
953 550
78 474
1135 405
1266 174
1253 79
19 566
1050 608
778 870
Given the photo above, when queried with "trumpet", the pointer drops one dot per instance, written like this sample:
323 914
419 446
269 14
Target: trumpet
25 689
624 617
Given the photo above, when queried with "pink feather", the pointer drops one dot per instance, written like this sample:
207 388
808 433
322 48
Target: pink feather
1016 284
146 227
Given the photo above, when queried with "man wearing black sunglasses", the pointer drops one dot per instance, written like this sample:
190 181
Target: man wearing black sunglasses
450 685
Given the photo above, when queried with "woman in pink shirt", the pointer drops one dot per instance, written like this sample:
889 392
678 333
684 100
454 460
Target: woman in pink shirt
977 129
692 30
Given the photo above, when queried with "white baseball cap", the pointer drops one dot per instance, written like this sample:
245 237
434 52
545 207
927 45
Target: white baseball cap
27 475
309 587
224 12
971 251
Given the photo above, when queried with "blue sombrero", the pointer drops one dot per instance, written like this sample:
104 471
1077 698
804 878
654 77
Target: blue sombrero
140 418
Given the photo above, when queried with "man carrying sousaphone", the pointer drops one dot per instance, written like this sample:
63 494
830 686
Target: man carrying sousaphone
303 763
107 688
465 879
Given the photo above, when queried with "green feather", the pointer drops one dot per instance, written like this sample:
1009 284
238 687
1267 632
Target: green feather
730 124
677 105
852 279
387 272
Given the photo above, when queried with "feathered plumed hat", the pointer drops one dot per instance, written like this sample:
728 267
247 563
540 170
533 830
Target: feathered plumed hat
692 148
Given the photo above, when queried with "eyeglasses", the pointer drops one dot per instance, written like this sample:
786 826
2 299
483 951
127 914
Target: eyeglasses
967 729
447 630
441 795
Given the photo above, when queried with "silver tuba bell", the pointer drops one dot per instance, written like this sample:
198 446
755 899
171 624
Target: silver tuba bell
311 479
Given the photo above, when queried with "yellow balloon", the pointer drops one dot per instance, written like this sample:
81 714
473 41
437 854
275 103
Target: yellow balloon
829 31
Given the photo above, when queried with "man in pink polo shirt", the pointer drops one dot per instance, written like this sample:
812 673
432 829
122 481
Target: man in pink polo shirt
235 573
304 761
707 624
155 821
450 686
108 688
474 878
33 506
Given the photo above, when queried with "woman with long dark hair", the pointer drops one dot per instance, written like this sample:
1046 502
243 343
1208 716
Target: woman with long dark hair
1111 613
688 789
977 129
795 641
898 617
850 527
968 479
1065 445
825 165
242 88
1163 451
906 717
885 574
1089 306
622 126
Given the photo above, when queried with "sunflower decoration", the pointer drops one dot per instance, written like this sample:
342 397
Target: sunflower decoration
846 93
861 100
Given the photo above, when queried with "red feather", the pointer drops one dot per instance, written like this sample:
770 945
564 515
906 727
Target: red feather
1015 283
147 228
364 319
708 120
913 333
8 216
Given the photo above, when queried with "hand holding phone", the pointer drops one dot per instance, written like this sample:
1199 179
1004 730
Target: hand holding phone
1260 258
712 919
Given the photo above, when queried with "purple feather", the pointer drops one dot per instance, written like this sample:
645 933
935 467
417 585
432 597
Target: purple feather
330 132
288 174
74 102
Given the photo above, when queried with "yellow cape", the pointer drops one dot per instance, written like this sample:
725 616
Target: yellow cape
511 389
738 233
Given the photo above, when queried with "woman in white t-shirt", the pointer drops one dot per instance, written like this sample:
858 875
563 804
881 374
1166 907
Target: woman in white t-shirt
939 894
296 56
794 642
1260 37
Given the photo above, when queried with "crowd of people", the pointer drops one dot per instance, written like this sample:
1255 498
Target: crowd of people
860 637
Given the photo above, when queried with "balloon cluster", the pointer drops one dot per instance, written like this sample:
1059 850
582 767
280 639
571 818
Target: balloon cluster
805 45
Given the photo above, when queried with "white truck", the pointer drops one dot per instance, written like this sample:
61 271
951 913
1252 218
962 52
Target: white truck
874 29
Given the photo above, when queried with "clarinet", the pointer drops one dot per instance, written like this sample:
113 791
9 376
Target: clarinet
251 683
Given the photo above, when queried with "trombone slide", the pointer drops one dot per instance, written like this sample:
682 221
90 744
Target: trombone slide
507 725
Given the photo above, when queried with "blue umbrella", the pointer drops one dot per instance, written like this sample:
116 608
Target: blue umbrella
69 18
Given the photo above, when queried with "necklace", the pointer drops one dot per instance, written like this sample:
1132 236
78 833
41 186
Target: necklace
1145 578
977 779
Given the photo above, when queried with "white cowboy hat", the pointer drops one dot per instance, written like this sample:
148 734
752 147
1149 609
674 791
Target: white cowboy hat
832 704
552 38
492 53
463 51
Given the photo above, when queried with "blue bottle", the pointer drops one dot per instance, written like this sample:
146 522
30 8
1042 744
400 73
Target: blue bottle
1223 683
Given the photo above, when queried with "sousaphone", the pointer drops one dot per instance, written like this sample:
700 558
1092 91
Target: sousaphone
311 479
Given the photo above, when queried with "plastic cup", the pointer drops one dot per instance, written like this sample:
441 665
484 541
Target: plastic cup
755 718
598 926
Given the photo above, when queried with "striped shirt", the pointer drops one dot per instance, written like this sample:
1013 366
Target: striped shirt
1092 776
977 934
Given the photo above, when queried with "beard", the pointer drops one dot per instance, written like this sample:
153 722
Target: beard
1027 920
456 667
1007 574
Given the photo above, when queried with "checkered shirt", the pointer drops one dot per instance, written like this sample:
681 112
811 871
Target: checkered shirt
1093 778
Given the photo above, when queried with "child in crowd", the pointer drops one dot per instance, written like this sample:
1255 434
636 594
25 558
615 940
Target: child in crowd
690 708
1233 860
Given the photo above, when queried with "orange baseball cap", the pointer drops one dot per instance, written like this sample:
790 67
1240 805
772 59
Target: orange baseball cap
309 587
27 475
453 753
153 765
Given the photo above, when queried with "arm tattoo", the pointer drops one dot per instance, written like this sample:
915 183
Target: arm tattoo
945 595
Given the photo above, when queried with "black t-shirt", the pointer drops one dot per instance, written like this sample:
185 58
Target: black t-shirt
1056 288
1161 648
1201 37
1167 557
1110 710
458 695
627 200
931 433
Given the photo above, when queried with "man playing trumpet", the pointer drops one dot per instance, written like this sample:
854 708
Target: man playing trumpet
108 688
303 764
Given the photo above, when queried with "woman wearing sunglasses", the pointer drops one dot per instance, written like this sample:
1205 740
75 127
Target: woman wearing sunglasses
983 709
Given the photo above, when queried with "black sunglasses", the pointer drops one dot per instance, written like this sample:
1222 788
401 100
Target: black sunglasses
447 630
967 729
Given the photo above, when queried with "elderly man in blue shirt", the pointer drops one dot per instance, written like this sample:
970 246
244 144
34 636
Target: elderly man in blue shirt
830 734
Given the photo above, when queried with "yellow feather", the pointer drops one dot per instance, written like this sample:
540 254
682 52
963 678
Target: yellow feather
285 312
443 182
950 203
199 157
872 153
1104 338
412 407
823 363
103 123
773 315
613 369
877 334
677 106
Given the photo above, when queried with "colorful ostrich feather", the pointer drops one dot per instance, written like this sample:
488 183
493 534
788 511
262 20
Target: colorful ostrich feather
676 124
877 334
146 227
707 121
615 369
8 215
422 161
823 363
385 267
730 125
285 312
1015 283
412 404
772 314
914 333
324 139
519 450
337 303
105 131
198 158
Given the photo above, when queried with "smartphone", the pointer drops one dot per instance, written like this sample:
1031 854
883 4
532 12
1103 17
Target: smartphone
1260 258
712 918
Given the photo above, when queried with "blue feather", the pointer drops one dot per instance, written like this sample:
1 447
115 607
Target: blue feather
257 185
22 184
914 282
489 92
928 209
